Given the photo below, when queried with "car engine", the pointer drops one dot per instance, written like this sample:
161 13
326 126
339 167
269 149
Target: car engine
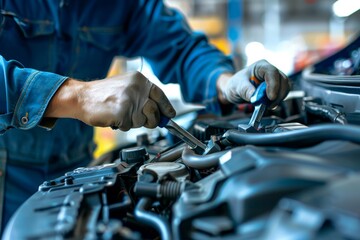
295 177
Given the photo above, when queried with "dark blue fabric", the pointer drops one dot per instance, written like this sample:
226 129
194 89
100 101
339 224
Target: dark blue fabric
42 42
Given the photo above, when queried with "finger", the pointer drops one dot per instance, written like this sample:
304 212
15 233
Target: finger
239 88
264 71
163 103
138 120
152 114
246 90
278 99
124 124
285 87
283 91
121 118
273 81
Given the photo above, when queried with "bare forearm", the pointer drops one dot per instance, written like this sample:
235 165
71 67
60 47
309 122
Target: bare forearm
65 102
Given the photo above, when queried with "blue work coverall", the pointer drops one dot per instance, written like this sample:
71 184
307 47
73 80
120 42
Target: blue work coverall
42 42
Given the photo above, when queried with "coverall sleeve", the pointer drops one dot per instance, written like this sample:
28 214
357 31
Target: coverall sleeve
24 94
176 54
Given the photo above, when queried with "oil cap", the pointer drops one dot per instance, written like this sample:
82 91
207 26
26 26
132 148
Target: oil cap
134 155
177 170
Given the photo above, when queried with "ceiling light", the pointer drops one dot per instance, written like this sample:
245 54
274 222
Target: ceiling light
344 8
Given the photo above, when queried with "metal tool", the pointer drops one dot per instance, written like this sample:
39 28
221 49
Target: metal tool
184 135
260 100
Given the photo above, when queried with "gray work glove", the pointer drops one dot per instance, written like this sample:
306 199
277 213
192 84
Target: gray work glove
238 87
124 102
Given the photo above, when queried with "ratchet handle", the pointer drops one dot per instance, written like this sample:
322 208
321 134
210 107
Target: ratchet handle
259 96
163 121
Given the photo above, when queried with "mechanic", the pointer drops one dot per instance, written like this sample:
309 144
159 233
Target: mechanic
51 49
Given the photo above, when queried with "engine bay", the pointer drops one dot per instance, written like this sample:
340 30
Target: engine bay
295 177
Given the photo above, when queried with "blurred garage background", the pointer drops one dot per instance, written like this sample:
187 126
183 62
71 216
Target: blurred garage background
290 34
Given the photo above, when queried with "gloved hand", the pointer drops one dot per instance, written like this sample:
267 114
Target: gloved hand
124 102
237 88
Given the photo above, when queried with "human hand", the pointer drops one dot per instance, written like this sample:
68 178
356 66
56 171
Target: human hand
237 88
124 102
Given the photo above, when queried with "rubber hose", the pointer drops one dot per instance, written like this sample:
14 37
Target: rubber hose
153 220
171 189
191 159
326 112
298 138
171 155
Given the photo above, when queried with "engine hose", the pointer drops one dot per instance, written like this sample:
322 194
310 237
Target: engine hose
327 112
170 155
299 138
191 159
151 219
